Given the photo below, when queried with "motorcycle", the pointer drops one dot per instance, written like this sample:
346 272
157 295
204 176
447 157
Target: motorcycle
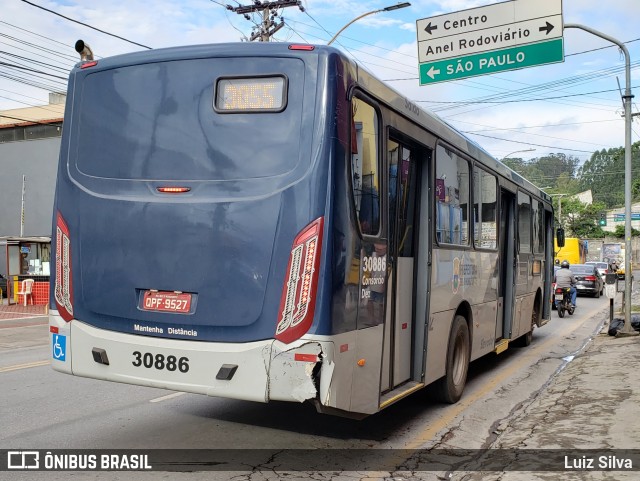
563 301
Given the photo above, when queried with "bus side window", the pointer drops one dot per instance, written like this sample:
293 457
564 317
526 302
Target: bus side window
364 166
452 197
538 226
524 223
485 228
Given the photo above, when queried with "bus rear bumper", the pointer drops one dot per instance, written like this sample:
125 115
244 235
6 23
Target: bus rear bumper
254 371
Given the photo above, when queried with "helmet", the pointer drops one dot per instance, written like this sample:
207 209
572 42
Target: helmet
565 264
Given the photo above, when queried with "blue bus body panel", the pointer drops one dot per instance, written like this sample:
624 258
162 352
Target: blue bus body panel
138 122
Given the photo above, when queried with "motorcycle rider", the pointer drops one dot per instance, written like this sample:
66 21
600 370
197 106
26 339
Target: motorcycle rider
565 278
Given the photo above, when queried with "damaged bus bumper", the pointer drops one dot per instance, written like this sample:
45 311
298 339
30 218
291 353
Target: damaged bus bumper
254 371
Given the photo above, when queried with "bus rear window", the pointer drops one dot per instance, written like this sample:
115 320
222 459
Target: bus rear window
160 121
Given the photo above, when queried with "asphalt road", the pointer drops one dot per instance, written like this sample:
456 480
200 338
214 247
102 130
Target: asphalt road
43 409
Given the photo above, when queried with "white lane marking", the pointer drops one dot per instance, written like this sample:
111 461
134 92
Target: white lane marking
22 316
24 327
28 365
168 396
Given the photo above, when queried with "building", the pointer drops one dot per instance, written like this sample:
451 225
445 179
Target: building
29 152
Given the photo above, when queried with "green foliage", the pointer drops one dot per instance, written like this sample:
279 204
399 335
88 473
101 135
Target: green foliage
619 232
604 175
635 190
555 170
581 220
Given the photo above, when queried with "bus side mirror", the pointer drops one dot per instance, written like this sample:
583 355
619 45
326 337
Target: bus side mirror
560 237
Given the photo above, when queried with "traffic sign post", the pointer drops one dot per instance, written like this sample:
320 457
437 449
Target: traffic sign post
494 38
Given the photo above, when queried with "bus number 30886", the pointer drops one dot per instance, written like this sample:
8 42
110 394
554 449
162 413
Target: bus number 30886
160 362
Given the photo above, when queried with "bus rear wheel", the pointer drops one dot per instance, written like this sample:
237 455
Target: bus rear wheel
450 387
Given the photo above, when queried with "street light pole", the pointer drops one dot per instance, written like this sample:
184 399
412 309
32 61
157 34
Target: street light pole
627 329
517 152
385 9
560 196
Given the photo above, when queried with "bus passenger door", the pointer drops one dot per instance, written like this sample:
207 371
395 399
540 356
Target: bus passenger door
399 316
508 264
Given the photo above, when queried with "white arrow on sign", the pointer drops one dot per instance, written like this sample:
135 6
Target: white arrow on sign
488 16
433 72
520 33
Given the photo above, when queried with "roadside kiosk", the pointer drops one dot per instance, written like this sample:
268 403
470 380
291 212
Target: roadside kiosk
28 258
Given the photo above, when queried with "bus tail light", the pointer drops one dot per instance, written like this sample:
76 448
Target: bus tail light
63 285
298 301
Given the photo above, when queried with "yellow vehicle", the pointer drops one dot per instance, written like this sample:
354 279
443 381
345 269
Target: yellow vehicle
574 251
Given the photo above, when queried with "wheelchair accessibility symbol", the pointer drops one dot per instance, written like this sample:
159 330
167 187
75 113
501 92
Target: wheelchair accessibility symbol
59 347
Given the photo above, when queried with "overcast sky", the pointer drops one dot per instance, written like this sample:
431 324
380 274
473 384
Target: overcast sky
572 107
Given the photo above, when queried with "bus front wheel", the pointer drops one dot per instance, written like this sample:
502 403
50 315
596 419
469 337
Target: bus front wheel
452 384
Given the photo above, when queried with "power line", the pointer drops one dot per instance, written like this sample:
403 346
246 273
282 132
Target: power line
464 102
23 43
490 128
297 33
548 86
34 33
32 61
33 82
529 143
85 24
28 69
331 35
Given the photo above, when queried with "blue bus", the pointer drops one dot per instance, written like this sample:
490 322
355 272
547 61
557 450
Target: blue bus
269 221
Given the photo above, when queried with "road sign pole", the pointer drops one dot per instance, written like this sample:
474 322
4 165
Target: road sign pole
627 330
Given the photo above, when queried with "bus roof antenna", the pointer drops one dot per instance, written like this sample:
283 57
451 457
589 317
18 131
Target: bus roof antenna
86 54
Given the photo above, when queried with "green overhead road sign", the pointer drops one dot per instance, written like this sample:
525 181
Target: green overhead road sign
512 58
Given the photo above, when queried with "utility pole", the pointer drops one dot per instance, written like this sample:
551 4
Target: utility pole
269 11
24 188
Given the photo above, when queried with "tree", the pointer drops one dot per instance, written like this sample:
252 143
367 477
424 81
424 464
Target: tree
555 165
604 175
619 232
549 171
635 190
581 220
